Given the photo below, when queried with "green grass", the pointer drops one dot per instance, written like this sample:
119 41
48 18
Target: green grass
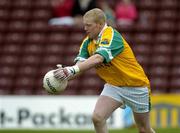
165 130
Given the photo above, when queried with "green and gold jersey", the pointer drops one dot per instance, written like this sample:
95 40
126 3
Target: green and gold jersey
120 67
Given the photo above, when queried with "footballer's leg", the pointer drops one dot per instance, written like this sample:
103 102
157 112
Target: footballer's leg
103 109
143 122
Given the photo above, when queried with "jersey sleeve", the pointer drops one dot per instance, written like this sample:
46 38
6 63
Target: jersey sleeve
83 51
111 44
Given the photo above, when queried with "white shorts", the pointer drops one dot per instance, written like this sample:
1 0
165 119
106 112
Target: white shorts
135 97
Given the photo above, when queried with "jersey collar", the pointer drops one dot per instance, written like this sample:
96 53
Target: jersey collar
99 36
105 26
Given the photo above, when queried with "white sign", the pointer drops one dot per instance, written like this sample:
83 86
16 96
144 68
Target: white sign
53 112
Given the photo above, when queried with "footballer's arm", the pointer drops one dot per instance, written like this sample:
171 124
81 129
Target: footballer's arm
88 64
91 62
73 71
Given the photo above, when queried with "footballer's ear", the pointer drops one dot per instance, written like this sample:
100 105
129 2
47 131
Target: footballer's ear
99 26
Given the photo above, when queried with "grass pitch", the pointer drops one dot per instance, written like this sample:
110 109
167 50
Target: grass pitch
133 130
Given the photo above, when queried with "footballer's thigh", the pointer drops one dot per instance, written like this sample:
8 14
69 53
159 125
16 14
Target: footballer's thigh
143 122
104 107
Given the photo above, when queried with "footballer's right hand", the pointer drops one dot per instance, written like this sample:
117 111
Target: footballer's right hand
65 73
58 73
59 65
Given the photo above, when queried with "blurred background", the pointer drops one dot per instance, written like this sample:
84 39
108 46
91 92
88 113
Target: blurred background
35 35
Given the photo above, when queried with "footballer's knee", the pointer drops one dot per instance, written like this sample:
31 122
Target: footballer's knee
97 118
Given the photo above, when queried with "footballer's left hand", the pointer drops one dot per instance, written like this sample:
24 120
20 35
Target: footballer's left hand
66 72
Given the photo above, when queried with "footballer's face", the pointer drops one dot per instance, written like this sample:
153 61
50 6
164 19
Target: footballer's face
92 29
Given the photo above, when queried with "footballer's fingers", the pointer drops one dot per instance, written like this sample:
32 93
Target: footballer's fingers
59 74
59 65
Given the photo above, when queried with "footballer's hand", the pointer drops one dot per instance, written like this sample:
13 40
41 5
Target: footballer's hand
59 66
58 73
66 72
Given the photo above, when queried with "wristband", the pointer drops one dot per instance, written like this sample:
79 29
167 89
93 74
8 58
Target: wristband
76 69
73 69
